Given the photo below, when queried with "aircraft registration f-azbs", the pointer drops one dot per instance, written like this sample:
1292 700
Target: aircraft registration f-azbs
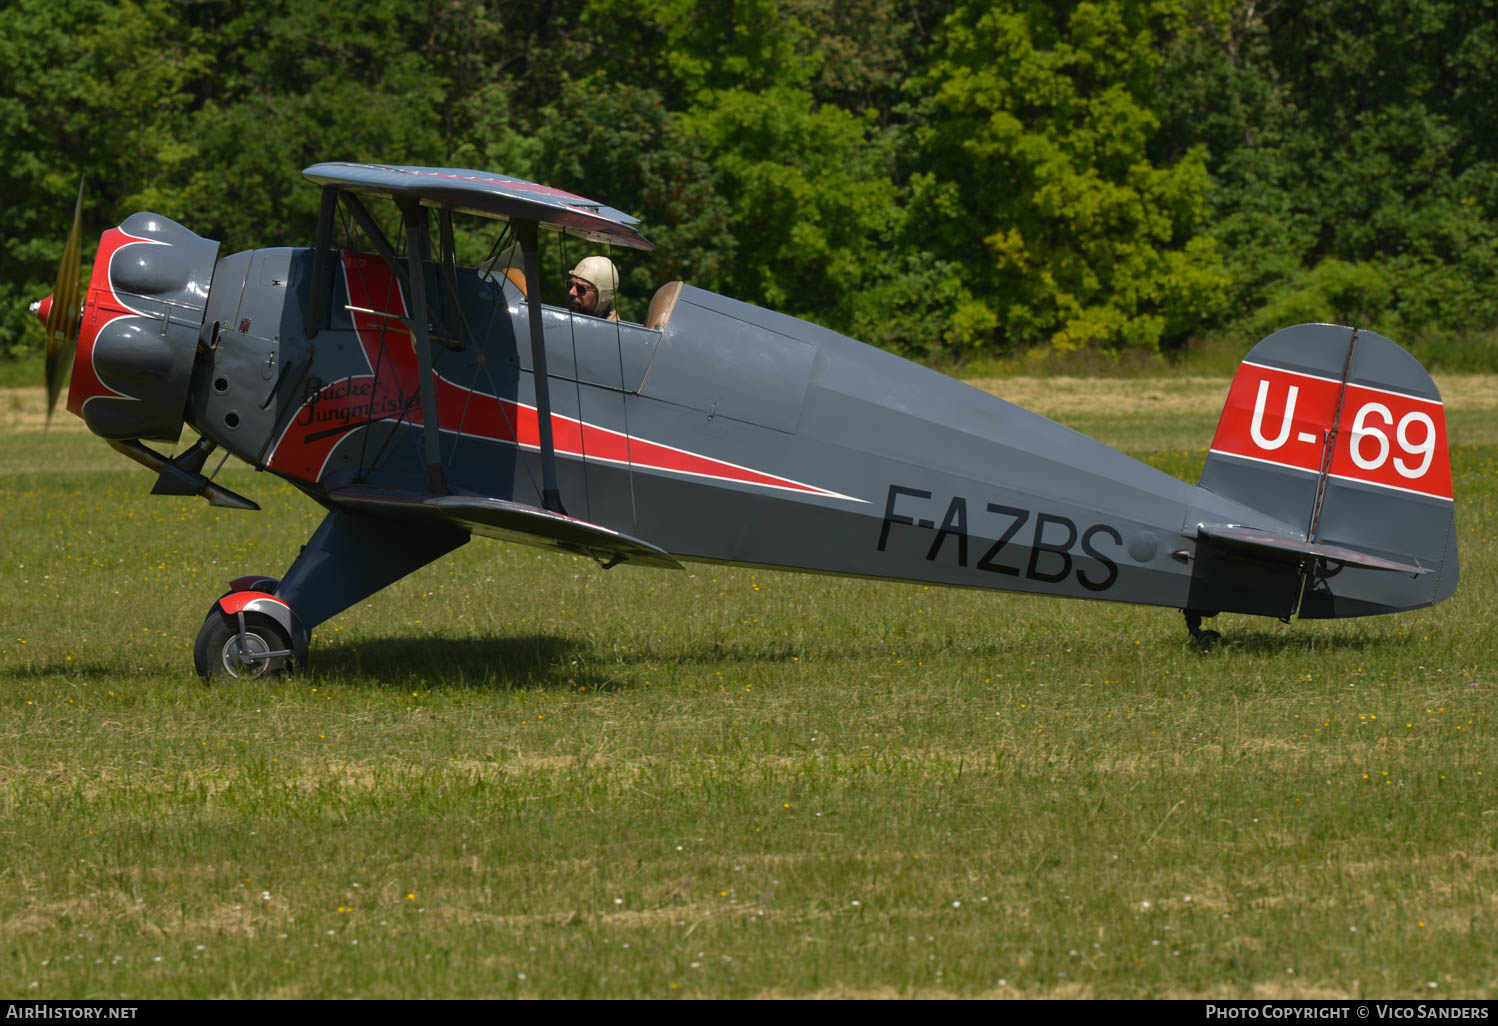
421 402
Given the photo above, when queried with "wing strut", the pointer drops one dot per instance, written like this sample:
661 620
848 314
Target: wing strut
431 427
448 251
551 498
322 279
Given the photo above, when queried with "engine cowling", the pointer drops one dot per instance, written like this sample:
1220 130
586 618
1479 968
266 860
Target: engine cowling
142 319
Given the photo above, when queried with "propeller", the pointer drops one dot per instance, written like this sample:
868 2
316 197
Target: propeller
66 309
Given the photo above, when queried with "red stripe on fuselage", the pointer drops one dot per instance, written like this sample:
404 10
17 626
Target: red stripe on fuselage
390 392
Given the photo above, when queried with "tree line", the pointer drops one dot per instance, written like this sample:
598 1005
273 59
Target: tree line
948 179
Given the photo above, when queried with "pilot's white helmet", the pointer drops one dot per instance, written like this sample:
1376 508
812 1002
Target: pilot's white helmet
601 272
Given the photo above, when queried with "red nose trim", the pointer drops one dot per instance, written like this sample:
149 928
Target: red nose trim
43 310
102 306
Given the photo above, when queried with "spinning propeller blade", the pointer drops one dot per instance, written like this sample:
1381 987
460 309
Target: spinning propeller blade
66 308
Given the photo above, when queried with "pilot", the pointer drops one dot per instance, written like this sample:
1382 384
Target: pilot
591 286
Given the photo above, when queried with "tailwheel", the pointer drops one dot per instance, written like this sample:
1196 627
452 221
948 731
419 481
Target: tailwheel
241 646
1203 639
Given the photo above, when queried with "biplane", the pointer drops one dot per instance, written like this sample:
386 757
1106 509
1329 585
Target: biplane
421 402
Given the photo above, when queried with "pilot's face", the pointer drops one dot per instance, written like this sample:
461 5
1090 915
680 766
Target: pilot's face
582 297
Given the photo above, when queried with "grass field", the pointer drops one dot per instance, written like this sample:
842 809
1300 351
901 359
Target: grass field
515 775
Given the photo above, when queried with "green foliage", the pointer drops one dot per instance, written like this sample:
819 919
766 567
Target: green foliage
1356 133
1038 130
1332 291
947 180
89 89
339 81
808 192
612 140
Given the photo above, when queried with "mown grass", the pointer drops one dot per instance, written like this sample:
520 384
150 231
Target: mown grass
514 775
1473 352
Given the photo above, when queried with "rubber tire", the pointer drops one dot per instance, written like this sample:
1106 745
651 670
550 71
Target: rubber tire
219 630
1206 641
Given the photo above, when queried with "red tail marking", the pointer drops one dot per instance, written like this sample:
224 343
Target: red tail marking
1394 440
1383 438
1277 416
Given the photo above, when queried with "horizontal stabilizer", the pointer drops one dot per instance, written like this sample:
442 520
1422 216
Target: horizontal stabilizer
1287 548
507 521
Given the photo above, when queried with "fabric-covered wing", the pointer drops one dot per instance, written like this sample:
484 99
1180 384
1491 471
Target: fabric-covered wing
507 521
485 194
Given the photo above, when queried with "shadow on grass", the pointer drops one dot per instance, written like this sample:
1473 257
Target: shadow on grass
545 662
1259 642
535 661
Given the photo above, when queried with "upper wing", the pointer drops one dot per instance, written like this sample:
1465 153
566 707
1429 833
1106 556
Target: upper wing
485 194
509 521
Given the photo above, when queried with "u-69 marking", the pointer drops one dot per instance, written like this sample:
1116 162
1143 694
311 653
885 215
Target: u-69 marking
1381 437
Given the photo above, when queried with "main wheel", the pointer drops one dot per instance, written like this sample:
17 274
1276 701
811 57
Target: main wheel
222 654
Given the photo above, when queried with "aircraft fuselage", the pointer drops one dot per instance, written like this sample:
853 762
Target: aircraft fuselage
732 434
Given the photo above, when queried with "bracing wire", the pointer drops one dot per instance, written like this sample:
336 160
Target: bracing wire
499 241
350 233
482 371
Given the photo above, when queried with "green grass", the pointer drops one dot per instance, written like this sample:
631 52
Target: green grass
29 370
1473 352
515 775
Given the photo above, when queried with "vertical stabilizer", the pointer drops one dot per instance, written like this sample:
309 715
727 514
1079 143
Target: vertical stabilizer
1342 433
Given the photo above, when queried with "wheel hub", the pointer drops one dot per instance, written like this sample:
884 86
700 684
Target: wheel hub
251 657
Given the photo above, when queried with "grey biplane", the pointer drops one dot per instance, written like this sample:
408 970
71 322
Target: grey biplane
421 402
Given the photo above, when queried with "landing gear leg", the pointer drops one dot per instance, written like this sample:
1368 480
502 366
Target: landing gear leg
1205 639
